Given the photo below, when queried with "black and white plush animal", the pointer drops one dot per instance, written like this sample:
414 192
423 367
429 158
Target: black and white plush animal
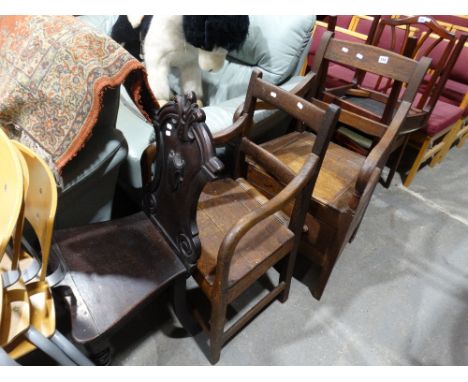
189 43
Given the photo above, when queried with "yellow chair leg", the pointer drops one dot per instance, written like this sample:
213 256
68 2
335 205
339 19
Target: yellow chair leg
448 141
417 162
463 134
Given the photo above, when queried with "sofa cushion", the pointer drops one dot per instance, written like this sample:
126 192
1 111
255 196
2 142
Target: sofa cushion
101 22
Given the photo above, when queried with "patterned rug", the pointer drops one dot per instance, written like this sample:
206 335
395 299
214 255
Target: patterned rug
53 73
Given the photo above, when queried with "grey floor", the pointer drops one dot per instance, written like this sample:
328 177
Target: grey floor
398 294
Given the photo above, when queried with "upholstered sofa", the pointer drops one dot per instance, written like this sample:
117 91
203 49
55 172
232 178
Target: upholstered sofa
277 45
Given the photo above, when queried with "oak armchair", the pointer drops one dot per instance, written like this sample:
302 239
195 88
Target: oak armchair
347 178
243 233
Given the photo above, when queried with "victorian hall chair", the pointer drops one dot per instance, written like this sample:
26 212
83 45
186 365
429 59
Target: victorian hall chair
347 179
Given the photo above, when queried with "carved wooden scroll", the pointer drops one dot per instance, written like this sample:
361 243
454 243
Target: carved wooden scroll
185 162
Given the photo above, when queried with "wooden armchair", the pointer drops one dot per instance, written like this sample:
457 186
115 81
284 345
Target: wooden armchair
347 179
242 233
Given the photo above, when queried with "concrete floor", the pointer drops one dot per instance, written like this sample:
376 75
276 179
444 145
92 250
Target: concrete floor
397 296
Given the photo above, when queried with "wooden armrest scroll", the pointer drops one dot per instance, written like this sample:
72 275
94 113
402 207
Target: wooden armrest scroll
224 136
185 160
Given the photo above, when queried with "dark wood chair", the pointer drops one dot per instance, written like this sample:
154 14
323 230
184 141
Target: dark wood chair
112 269
347 179
435 121
243 234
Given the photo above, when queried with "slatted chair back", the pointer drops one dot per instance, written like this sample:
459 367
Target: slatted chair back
433 40
320 121
369 59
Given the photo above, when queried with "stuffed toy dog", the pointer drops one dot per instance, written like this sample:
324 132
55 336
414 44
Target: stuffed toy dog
189 43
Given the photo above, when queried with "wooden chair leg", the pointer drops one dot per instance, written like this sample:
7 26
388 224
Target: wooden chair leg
463 134
181 307
417 162
448 141
332 255
393 169
218 319
286 275
100 352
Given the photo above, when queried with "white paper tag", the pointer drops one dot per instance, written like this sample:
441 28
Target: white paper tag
273 94
300 105
423 19
344 49
383 59
359 56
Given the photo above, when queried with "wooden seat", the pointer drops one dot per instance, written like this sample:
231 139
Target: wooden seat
347 178
127 258
340 168
215 216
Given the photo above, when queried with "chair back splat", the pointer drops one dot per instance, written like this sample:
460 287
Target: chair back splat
185 162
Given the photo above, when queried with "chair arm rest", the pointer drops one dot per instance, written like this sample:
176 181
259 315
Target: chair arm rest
246 223
268 161
379 154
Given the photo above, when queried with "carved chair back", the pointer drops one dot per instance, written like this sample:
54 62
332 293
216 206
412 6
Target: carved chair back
185 162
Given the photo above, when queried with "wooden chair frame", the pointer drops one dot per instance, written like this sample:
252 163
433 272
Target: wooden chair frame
341 224
296 191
